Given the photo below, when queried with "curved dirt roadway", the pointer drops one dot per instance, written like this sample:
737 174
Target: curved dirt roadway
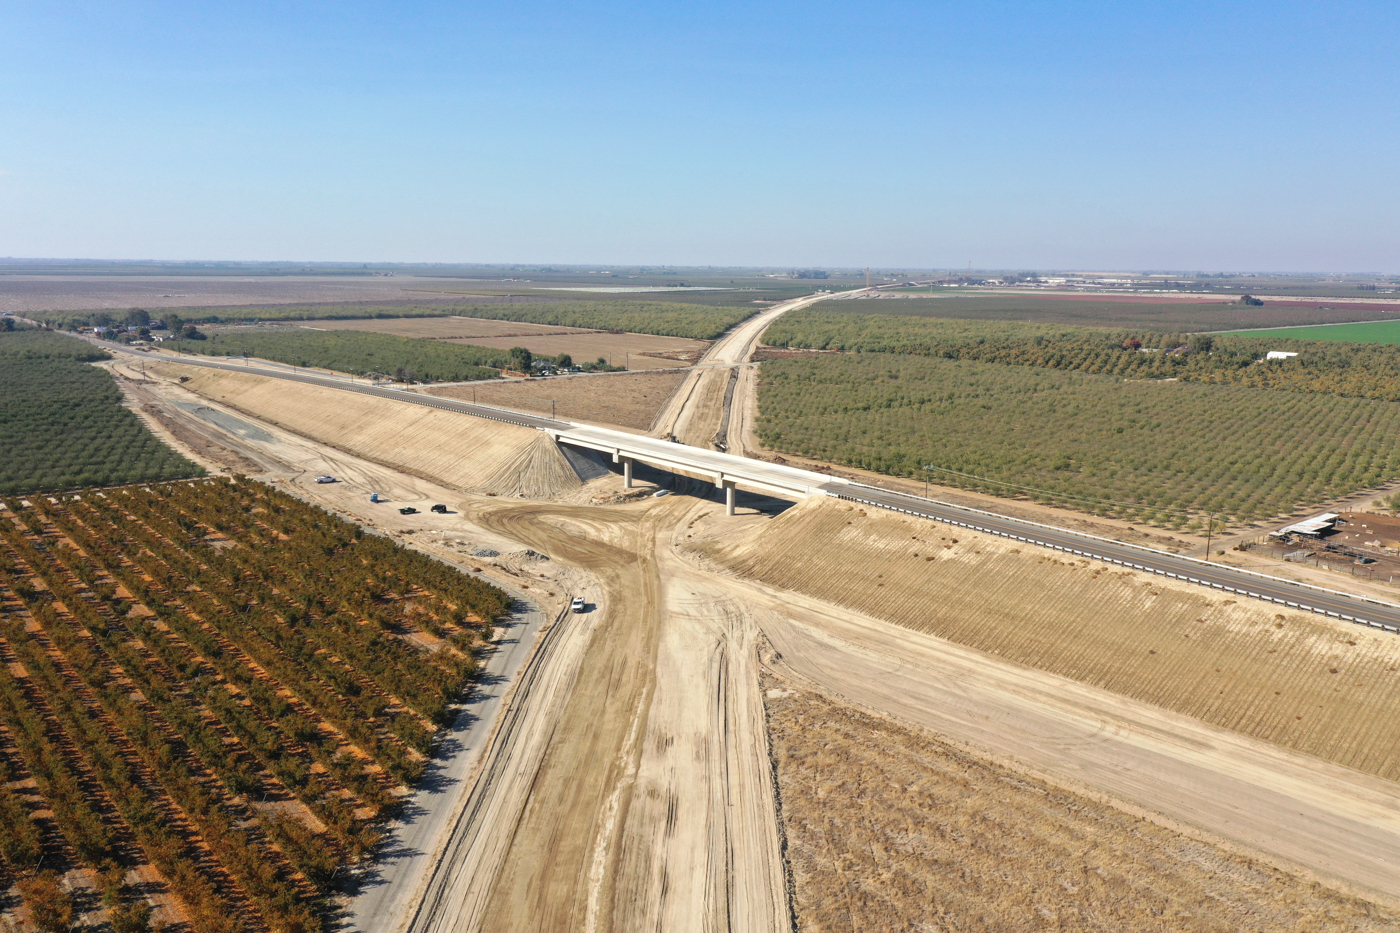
695 410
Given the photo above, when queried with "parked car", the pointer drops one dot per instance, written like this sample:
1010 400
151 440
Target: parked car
439 508
660 492
577 605
325 479
408 510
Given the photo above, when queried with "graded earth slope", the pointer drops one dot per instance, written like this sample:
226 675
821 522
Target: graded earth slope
470 453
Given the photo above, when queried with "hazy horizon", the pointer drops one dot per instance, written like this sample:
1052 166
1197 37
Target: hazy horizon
1112 137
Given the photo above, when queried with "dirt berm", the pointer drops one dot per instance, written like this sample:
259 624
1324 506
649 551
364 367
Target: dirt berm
470 453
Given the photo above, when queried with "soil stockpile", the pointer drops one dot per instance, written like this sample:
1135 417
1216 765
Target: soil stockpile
1324 688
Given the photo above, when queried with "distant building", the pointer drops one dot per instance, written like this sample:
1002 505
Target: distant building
1279 355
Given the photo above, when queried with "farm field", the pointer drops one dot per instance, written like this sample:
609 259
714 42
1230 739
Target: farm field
634 316
213 694
1157 452
1187 314
630 401
635 351
1366 332
444 328
64 425
1357 370
354 352
889 828
1322 688
63 298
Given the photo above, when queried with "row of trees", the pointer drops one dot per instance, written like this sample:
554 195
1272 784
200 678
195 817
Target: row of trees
1156 452
1352 370
64 425
212 685
664 318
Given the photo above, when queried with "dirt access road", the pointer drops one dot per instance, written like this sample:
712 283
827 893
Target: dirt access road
697 411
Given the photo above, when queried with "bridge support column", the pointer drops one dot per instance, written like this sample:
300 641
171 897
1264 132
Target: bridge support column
729 497
626 472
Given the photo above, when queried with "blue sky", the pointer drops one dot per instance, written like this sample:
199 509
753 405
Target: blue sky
1241 136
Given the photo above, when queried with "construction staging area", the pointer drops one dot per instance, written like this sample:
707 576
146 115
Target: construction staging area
817 715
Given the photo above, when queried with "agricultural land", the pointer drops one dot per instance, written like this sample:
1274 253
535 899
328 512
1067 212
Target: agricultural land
1362 332
666 319
889 828
1156 452
631 401
213 695
63 424
1112 422
357 353
1189 313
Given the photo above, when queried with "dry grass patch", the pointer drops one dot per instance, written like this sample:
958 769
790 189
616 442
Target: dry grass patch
627 400
1324 688
889 829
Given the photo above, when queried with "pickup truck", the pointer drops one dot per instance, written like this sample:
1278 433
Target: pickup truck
408 510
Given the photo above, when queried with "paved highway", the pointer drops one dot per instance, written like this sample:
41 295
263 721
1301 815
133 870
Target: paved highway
793 481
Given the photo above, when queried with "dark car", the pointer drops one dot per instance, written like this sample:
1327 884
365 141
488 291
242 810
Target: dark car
439 508
408 510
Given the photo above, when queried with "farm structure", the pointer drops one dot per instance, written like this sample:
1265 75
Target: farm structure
213 694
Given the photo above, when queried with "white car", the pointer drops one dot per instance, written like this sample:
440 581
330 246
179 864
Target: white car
325 479
660 492
577 605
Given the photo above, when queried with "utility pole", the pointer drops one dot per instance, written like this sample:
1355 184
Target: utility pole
1210 526
551 409
927 467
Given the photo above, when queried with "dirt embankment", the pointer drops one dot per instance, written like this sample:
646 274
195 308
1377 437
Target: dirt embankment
890 829
1294 679
470 453
626 400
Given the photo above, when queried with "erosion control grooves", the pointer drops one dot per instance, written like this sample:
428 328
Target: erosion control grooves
1148 563
220 682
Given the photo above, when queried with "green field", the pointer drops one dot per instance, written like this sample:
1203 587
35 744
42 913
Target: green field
1352 370
1180 317
357 352
666 319
62 423
703 319
1147 451
1364 332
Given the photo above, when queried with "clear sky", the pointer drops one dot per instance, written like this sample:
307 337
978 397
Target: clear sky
1180 135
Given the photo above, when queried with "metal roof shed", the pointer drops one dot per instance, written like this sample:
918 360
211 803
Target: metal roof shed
1309 526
